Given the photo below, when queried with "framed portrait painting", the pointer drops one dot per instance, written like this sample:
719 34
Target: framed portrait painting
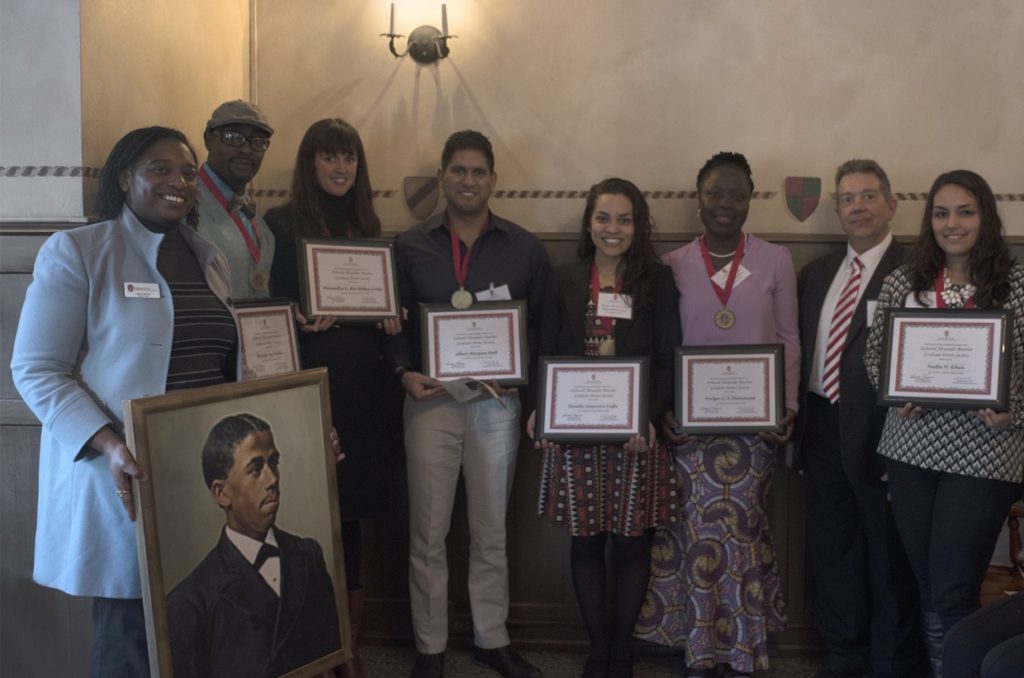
239 529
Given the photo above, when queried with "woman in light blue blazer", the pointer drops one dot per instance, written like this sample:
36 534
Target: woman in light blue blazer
129 307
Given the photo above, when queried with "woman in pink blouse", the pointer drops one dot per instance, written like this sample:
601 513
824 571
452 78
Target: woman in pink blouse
715 586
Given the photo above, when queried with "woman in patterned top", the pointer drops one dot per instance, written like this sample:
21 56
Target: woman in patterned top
129 307
953 473
610 492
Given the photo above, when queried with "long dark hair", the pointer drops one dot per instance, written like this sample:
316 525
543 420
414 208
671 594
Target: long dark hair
639 264
332 135
989 261
124 155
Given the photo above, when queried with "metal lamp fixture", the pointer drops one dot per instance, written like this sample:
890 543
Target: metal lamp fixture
426 44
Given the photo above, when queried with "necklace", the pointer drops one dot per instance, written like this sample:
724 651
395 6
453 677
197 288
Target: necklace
956 295
722 256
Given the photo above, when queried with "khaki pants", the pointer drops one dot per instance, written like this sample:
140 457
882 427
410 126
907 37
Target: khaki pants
480 439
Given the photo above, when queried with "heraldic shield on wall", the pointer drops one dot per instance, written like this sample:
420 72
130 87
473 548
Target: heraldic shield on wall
421 194
802 196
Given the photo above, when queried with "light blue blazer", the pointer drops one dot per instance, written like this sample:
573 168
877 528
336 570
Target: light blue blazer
83 345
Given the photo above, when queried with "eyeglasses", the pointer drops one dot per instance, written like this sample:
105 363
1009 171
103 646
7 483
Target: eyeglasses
232 137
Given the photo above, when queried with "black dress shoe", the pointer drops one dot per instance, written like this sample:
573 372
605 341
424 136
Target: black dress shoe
595 668
428 666
505 661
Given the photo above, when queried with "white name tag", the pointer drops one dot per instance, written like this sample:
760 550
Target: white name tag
872 306
722 276
611 305
134 290
493 293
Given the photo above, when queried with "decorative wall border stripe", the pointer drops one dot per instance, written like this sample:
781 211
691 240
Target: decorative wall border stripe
69 171
21 171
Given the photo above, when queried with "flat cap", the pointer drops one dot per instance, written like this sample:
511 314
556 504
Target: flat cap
238 112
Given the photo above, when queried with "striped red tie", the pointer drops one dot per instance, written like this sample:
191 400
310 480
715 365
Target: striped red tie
838 330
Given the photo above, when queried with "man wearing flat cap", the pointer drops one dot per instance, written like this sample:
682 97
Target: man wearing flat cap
236 138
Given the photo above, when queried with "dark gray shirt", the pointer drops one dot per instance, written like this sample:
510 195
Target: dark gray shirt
504 254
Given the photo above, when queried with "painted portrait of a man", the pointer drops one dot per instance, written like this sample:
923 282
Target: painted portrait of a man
261 603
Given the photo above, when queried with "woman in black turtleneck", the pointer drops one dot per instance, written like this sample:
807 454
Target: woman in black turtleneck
332 198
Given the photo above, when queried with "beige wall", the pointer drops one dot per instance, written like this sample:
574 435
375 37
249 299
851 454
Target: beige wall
575 90
40 110
159 62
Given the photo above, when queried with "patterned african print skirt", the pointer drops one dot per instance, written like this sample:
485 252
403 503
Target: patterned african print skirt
590 489
715 586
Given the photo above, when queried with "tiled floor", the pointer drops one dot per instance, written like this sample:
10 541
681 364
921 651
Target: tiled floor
396 662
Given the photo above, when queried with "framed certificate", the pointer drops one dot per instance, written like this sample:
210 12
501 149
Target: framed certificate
946 358
485 342
353 280
592 399
268 344
730 389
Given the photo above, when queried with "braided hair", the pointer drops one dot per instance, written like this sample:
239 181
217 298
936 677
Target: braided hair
124 155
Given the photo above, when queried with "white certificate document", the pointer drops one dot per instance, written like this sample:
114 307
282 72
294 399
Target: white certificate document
729 389
952 357
600 400
268 341
485 342
350 280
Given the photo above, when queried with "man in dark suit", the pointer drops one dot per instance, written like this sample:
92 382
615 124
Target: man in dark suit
865 601
261 603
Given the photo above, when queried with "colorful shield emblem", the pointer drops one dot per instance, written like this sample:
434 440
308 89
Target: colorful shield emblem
421 195
802 196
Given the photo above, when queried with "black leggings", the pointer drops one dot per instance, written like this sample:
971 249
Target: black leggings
631 558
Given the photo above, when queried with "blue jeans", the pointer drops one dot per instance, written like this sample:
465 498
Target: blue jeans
118 639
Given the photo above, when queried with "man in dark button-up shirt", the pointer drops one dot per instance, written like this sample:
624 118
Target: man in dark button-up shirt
479 438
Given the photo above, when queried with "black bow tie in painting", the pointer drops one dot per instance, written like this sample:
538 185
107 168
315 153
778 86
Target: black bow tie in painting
266 551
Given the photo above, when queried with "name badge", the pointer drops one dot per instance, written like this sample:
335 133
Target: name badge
140 290
872 306
722 277
493 293
611 305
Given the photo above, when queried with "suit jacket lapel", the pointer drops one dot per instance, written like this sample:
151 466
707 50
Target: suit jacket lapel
886 264
819 290
244 588
294 579
575 296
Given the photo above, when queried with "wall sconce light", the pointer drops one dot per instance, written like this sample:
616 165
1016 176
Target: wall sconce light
426 44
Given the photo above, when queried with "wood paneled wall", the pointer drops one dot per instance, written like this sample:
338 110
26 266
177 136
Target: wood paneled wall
46 633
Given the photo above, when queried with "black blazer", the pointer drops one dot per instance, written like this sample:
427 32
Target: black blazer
224 620
653 331
860 418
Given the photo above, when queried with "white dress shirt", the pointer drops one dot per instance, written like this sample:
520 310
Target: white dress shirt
250 548
870 259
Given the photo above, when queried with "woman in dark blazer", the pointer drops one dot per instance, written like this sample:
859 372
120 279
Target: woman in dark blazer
332 199
608 489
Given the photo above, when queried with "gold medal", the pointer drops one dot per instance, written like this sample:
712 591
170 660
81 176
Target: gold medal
725 319
606 347
461 299
258 279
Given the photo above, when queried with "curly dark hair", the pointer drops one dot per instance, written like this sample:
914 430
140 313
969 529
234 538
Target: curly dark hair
721 159
221 441
332 135
124 155
639 264
989 261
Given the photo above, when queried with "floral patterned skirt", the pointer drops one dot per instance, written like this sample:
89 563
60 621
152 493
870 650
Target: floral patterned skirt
715 586
590 489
